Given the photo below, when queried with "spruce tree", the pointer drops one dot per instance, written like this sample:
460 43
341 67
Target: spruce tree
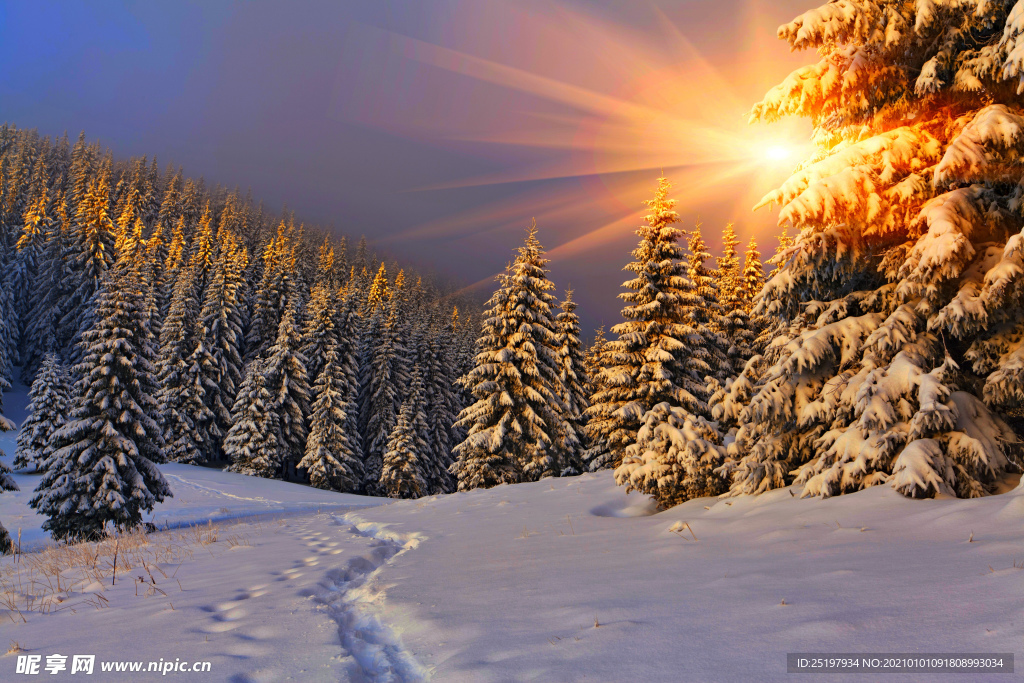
251 444
711 349
660 347
221 335
332 461
6 481
101 472
753 282
573 379
406 471
179 394
900 356
49 400
384 379
599 453
288 384
516 427
319 334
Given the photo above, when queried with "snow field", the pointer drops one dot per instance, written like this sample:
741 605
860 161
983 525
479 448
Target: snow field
559 580
513 579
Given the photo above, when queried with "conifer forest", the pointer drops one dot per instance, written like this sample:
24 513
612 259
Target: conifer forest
181 357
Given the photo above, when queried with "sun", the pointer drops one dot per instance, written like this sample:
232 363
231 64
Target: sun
779 153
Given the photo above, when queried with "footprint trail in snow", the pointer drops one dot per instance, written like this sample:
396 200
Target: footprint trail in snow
349 593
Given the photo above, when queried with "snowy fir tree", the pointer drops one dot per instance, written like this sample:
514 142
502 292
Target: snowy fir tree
573 379
901 360
332 461
657 357
49 400
406 468
736 331
517 427
288 384
251 445
101 473
704 310
382 381
674 457
6 481
598 454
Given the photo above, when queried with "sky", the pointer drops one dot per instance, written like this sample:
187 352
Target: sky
437 129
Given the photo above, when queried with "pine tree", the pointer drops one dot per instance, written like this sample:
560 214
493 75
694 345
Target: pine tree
900 296
6 481
442 404
658 350
708 316
251 444
102 469
319 334
753 282
49 400
92 252
383 379
288 384
177 397
332 461
406 471
516 427
674 457
573 380
599 453
221 335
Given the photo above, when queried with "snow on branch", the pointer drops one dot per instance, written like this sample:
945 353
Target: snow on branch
989 148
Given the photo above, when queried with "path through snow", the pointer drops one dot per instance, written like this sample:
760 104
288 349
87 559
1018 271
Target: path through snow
350 594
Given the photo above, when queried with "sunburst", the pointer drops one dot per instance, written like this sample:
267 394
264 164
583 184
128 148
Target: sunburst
556 94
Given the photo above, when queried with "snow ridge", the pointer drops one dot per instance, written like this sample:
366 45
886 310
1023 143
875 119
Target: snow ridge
349 595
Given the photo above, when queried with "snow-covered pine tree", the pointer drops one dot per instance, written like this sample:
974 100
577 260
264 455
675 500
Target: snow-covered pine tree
671 457
574 380
288 384
708 319
406 471
6 481
177 397
736 331
658 356
319 334
674 457
92 250
332 461
221 333
276 289
49 400
442 403
30 246
102 470
8 326
753 275
904 286
516 428
384 380
251 444
752 283
599 453
347 328
48 296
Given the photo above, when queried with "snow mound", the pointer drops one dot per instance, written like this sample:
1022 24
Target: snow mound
626 508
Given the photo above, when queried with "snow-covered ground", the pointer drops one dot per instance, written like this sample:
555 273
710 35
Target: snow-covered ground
565 579
560 580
